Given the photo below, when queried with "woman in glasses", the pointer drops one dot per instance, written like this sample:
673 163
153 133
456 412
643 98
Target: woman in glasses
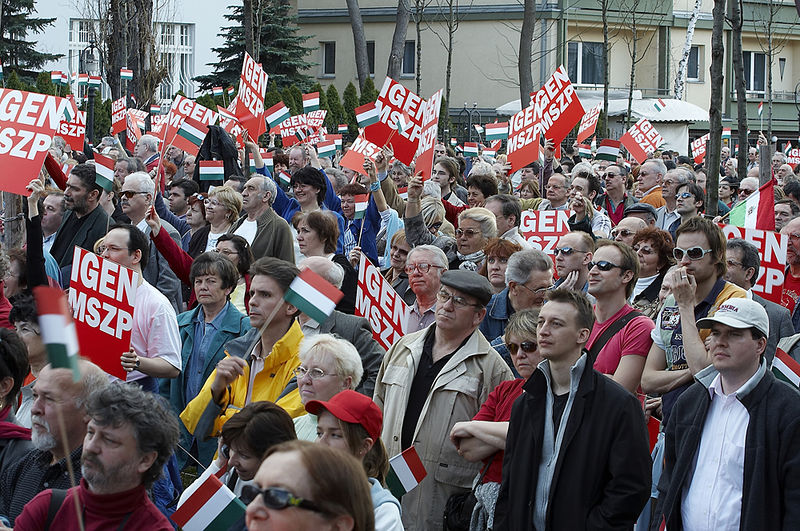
484 437
728 190
352 422
396 272
328 365
196 219
654 248
245 438
302 486
475 227
498 251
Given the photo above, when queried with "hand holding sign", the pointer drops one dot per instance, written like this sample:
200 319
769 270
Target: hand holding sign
153 221
130 361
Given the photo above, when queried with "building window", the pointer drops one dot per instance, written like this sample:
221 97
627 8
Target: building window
409 59
694 66
328 58
185 36
167 35
585 62
85 31
371 57
755 71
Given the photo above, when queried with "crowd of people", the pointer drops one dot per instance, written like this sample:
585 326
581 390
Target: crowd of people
524 382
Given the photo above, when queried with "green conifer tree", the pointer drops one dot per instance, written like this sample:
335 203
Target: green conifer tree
350 102
369 93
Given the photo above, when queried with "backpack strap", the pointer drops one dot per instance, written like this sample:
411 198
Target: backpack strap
610 332
57 497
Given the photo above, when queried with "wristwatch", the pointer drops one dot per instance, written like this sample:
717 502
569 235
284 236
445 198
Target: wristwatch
137 363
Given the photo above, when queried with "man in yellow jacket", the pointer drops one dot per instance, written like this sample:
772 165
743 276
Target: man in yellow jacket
256 367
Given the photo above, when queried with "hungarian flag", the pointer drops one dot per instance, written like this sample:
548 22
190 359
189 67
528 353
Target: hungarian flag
104 171
217 91
64 78
337 139
277 113
760 108
585 151
453 141
362 202
267 158
190 135
95 81
326 148
125 74
155 109
403 122
226 114
490 152
57 329
285 178
230 90
787 148
210 506
367 115
659 104
310 102
70 110
342 128
608 150
83 79
405 472
497 131
212 170
313 295
757 211
402 191
786 369
478 128
726 133
55 76
471 148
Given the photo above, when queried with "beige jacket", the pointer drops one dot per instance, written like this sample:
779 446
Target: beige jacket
456 395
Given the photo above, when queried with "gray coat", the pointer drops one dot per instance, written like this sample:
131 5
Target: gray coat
780 325
158 273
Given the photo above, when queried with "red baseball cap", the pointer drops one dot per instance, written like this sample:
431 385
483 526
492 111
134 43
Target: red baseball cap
353 407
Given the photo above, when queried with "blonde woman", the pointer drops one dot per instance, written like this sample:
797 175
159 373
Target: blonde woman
223 207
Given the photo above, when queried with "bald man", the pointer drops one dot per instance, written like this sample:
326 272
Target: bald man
627 229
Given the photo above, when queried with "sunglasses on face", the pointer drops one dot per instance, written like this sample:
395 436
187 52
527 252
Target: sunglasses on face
644 250
567 251
603 265
525 346
468 232
745 193
277 499
683 195
624 233
129 194
694 253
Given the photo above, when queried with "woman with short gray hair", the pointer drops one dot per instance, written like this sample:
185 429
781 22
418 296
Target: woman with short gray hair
475 227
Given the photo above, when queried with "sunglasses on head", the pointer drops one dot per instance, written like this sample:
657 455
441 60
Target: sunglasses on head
525 346
195 198
277 498
694 253
603 265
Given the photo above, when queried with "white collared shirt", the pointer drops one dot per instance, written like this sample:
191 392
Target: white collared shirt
712 498
256 367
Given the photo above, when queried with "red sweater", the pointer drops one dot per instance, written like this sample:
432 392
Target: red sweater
99 511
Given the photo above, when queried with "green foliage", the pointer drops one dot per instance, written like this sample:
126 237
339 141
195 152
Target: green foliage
208 100
273 96
102 118
288 98
350 102
335 110
282 51
17 53
15 83
43 84
297 94
369 93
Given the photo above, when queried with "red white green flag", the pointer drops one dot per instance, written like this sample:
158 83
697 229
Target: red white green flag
57 329
342 128
406 471
310 102
367 115
104 171
217 91
785 368
757 211
362 202
190 135
212 170
276 114
471 148
313 295
497 131
209 506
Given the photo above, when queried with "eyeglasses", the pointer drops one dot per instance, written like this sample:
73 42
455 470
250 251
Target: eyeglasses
610 174
128 194
539 291
315 373
459 302
225 252
277 499
525 346
624 233
211 202
644 250
225 451
469 232
435 226
684 195
694 253
743 192
422 268
567 251
732 263
603 265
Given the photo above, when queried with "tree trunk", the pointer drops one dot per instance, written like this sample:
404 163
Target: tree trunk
741 90
419 10
115 48
14 224
770 59
680 79
715 108
525 50
451 29
635 36
247 23
398 40
603 125
258 22
359 42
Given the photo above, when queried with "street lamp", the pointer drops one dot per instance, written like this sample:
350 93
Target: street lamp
90 62
797 103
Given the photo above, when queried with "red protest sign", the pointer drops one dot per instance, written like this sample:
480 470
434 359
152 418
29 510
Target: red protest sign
427 138
101 296
772 250
394 100
354 158
304 124
28 122
181 109
543 228
118 108
73 132
699 148
588 123
380 304
250 99
556 107
523 140
641 139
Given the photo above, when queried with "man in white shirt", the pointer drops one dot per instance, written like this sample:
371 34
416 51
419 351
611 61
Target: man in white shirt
732 448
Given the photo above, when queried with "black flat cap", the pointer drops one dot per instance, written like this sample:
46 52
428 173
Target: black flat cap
469 283
641 208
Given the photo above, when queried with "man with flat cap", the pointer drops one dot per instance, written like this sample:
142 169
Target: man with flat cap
431 379
732 442
643 211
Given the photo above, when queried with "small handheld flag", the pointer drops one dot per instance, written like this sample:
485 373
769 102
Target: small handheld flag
55 76
471 148
760 108
608 150
403 122
326 148
406 471
217 91
277 113
230 90
57 329
310 102
155 109
726 133
402 191
212 170
267 158
585 151
787 148
478 128
95 81
453 142
342 129
209 506
104 171
785 368
125 74
83 79
367 115
190 135
497 131
313 295
362 202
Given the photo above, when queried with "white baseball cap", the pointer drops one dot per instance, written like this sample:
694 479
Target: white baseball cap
739 313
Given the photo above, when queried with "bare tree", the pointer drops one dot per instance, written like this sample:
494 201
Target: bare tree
450 15
525 52
247 23
715 108
602 123
638 41
395 65
738 80
359 42
680 79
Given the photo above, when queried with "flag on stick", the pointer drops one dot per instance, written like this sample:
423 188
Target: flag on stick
367 115
659 104
313 295
55 76
276 114
104 171
608 150
497 131
760 108
217 91
453 142
190 135
83 79
125 74
585 151
310 102
212 170
406 471
402 191
230 90
95 81
757 211
362 202
267 158
155 109
726 133
478 128
326 148
57 329
471 148
342 129
786 369
209 506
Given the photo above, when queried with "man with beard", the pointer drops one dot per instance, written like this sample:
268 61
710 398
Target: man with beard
55 395
130 435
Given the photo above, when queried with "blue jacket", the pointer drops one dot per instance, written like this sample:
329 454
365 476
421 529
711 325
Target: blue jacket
234 325
372 224
497 315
